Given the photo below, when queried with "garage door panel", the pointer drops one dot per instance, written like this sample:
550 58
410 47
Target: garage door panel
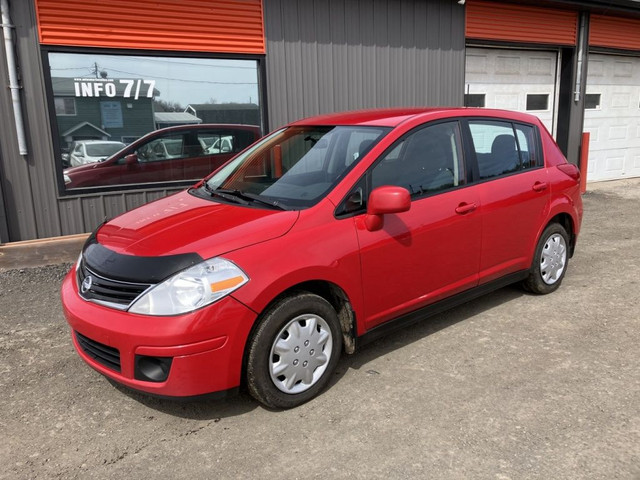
614 146
506 77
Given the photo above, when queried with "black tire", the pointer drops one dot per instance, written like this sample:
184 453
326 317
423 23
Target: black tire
300 323
550 261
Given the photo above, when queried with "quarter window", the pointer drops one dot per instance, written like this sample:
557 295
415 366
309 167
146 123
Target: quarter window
427 160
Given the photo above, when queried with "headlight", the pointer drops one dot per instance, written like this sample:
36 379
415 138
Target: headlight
67 179
191 289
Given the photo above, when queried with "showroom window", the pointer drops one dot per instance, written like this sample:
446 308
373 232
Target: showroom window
107 102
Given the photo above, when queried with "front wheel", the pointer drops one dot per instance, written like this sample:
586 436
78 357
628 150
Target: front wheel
294 350
550 261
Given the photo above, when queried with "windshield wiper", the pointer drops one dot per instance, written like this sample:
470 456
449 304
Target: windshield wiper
252 197
245 197
226 194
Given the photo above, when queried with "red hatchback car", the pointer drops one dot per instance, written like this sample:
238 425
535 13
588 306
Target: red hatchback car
319 237
185 152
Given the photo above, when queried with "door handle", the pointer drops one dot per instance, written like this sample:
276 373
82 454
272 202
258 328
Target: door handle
539 186
465 208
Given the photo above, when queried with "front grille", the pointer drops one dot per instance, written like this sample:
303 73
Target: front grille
103 354
113 293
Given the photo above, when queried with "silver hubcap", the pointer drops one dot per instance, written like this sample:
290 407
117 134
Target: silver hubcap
553 259
300 353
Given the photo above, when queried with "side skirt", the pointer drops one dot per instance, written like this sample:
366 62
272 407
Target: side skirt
438 307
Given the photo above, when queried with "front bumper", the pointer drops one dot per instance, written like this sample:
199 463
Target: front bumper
205 348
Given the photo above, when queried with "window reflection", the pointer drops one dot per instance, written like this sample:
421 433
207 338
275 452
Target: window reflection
187 116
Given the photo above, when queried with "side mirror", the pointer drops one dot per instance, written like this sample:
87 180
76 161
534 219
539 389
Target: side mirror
385 200
131 160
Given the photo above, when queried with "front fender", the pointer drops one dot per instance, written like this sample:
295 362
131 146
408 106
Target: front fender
283 263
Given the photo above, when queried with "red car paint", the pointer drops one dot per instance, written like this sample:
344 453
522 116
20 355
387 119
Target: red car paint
116 170
386 264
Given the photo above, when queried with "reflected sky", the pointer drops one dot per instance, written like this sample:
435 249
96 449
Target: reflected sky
181 80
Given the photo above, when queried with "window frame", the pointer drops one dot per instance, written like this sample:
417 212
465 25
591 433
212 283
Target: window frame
65 97
545 94
56 152
476 95
472 154
598 107
364 182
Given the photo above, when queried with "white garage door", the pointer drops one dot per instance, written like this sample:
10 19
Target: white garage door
612 117
521 80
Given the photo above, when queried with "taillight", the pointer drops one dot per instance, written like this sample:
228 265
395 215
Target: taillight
571 170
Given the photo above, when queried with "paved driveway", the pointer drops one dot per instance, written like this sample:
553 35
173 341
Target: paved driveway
508 386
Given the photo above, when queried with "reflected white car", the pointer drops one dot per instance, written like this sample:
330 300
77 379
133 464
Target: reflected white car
91 151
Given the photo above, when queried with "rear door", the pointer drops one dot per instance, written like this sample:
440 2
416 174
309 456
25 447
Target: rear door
432 250
514 194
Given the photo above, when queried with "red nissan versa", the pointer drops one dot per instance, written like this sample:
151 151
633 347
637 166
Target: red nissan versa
185 152
319 237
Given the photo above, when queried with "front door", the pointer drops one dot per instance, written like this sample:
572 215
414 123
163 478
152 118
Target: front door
433 250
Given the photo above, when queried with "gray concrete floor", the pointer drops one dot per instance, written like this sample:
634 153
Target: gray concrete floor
508 386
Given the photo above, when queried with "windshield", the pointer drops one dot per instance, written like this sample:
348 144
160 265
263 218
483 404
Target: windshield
103 149
297 166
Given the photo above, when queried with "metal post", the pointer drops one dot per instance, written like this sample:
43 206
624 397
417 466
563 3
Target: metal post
13 75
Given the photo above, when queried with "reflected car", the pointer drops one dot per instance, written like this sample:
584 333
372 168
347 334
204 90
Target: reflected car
179 153
83 152
322 236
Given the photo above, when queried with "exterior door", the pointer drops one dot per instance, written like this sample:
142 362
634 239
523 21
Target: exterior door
520 80
612 116
432 250
514 194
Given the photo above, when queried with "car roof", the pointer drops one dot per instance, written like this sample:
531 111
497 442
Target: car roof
97 141
205 126
392 117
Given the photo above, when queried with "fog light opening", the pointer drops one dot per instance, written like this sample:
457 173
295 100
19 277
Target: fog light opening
152 369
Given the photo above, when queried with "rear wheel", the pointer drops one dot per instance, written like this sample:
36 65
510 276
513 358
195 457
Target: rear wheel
550 261
294 351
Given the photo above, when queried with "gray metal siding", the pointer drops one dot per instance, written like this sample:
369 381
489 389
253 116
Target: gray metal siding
29 186
16 184
322 56
334 55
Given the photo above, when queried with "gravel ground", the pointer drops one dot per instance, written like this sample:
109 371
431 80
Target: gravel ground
508 386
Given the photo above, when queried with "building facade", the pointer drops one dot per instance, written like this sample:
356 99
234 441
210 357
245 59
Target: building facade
83 70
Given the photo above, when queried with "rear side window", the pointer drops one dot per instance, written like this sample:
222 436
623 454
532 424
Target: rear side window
503 148
425 161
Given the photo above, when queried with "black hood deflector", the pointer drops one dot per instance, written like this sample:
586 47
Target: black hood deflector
129 268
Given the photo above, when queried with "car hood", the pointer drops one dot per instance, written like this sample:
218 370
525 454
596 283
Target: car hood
82 168
184 223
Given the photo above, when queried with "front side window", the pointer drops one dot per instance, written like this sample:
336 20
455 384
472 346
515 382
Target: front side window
295 167
121 98
159 149
503 148
425 161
